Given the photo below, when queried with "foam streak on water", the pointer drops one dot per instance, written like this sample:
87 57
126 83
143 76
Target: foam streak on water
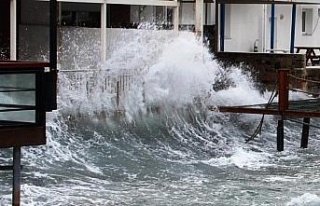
166 149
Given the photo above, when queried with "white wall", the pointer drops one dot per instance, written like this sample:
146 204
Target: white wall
314 38
245 27
247 23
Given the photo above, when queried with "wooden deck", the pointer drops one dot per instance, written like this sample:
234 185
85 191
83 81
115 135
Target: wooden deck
283 108
297 109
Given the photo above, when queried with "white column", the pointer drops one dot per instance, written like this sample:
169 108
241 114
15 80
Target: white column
176 15
103 31
13 30
198 22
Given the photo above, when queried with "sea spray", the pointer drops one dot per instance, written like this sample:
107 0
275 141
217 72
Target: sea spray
167 149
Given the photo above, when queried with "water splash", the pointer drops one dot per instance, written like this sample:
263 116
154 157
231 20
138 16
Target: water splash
167 149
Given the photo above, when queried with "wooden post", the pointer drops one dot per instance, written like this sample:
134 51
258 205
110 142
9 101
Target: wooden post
280 136
283 105
305 132
283 89
16 176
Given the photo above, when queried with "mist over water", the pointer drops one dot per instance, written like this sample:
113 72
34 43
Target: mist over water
156 143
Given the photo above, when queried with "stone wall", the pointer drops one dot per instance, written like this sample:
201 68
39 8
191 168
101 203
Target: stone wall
263 66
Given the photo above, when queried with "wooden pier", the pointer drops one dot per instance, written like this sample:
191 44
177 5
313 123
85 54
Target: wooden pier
283 108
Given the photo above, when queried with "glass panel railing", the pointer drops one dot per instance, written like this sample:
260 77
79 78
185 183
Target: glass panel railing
17 98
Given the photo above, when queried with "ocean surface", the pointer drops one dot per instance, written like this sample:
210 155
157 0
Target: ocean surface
156 144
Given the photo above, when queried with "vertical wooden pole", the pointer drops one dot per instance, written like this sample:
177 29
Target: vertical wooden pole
16 176
305 132
283 89
283 105
280 136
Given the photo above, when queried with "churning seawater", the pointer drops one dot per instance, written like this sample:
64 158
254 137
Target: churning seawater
166 148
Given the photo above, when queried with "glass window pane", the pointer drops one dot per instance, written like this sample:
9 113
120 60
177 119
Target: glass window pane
17 97
33 30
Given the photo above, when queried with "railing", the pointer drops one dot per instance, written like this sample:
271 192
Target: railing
89 82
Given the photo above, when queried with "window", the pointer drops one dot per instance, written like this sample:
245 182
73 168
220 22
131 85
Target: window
82 15
306 21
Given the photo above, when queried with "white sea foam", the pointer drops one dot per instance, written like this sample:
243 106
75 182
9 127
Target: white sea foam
283 178
306 199
244 159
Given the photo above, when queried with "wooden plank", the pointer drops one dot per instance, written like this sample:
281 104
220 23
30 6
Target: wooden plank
22 136
9 65
286 113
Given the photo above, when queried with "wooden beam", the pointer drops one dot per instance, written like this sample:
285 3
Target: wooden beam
247 110
22 136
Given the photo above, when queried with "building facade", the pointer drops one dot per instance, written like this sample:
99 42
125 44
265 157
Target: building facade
247 27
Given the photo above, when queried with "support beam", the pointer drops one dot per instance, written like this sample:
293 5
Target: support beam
283 90
13 30
280 136
216 31
305 132
222 26
103 32
272 29
293 27
16 176
176 17
198 22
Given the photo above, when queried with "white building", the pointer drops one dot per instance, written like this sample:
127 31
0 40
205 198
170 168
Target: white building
247 22
248 26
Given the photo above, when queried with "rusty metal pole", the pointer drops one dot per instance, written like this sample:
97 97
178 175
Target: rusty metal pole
305 133
16 176
283 105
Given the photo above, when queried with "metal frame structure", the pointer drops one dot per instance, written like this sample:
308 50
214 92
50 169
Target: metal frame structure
220 14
